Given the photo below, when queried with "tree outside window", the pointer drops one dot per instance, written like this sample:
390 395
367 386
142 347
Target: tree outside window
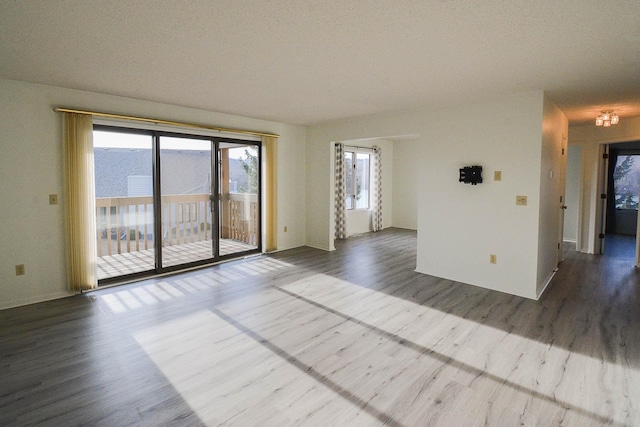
250 166
357 179
626 182
348 178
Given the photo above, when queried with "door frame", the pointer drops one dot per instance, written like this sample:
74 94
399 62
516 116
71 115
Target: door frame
607 187
563 194
601 209
215 199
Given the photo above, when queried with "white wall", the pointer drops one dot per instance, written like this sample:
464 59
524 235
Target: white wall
291 186
572 195
31 169
552 186
406 165
591 138
459 225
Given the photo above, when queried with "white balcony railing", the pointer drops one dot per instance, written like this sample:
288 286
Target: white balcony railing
125 224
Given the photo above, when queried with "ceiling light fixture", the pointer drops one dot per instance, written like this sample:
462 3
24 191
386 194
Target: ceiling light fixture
607 118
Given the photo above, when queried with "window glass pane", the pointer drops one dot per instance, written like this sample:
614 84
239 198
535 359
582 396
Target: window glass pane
185 181
626 180
362 181
348 172
243 169
124 202
239 186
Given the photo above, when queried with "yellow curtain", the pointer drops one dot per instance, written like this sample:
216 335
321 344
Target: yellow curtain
271 191
80 201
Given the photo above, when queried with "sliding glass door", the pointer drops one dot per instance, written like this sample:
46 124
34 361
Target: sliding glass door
168 201
124 202
187 200
239 197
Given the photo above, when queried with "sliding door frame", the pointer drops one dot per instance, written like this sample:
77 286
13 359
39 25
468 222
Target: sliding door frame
215 201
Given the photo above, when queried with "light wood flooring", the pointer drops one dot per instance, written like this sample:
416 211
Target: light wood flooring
352 337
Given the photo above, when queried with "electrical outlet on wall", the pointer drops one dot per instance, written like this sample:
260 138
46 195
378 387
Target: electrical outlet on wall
521 200
493 259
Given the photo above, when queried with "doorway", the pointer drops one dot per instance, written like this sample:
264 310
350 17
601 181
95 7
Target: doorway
358 170
572 196
623 189
168 201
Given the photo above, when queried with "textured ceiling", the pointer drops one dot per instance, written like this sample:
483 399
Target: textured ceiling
306 62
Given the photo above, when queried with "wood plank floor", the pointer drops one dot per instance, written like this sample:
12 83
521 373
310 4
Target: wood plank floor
349 338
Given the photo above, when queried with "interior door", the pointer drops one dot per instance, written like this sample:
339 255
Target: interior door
601 212
563 202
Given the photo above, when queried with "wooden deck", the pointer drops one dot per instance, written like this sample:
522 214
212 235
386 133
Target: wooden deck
137 261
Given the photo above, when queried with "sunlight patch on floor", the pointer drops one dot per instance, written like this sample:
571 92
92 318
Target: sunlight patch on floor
226 377
326 339
525 369
132 297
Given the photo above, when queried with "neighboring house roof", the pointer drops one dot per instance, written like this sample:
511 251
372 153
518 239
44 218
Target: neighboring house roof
183 172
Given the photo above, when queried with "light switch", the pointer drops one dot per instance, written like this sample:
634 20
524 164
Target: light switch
20 270
521 200
497 175
53 199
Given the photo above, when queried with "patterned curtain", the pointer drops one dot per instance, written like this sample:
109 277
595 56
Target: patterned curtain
340 194
376 205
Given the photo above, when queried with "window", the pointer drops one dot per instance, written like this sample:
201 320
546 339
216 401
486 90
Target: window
348 175
626 178
357 179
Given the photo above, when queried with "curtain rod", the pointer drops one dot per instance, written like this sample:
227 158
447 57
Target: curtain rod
166 122
355 146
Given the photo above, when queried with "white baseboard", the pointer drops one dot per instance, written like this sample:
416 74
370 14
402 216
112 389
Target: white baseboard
320 247
546 283
35 300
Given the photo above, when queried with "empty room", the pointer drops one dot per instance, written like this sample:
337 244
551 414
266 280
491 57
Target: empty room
403 213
